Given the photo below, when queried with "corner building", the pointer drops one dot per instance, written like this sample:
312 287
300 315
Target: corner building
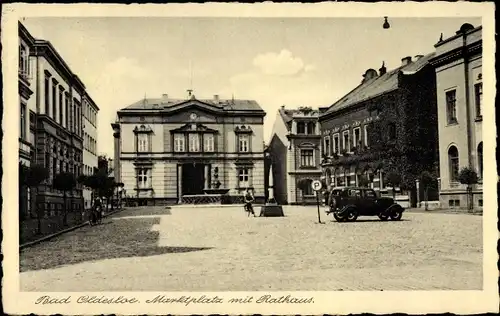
182 150
458 64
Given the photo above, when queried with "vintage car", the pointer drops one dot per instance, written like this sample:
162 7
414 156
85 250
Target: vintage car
348 203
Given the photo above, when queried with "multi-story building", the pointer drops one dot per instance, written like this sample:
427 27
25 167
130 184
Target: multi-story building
55 119
26 115
174 150
458 63
387 124
90 112
295 155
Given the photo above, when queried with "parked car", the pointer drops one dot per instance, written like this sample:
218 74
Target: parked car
347 203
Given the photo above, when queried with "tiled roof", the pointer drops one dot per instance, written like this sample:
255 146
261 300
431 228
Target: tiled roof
226 105
378 85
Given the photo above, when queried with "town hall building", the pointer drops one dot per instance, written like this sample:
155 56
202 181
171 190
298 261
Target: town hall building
190 151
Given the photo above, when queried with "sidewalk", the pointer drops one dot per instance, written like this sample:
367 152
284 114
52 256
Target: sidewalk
52 227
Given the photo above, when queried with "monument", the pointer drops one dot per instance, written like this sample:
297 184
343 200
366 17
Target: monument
271 208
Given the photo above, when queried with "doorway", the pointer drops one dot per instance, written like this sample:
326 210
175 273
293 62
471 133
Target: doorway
193 178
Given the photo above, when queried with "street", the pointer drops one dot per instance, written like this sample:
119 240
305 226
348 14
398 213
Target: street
221 249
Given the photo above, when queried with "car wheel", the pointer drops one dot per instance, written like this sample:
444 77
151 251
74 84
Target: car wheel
337 217
383 217
352 215
396 215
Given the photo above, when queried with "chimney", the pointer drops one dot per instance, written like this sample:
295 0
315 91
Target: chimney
406 60
164 98
417 57
382 70
216 98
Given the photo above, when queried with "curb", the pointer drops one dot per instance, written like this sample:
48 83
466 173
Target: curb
45 238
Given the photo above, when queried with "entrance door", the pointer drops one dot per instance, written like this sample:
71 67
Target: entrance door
193 178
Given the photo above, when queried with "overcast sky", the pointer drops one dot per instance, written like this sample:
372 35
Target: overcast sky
293 61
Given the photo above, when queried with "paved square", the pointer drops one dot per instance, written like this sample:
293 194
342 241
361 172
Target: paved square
221 249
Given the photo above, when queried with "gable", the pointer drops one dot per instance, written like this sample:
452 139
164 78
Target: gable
191 113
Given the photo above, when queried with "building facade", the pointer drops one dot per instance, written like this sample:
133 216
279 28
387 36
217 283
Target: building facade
387 124
90 112
26 114
55 119
295 155
458 64
176 150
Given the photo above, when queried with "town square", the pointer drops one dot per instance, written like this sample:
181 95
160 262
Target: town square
252 154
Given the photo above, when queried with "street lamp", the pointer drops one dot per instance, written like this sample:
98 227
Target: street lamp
386 24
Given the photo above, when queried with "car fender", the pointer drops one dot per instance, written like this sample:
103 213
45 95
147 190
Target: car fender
394 207
345 208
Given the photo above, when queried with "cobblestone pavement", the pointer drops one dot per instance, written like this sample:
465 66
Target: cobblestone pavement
221 249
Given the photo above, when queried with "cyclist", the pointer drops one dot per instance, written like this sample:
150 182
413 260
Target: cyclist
249 198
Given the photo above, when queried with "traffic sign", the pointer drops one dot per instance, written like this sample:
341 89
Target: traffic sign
316 185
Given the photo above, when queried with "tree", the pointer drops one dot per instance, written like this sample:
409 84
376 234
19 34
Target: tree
393 179
363 180
468 176
32 177
428 181
65 182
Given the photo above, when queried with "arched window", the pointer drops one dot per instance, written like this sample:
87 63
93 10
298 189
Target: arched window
480 159
453 163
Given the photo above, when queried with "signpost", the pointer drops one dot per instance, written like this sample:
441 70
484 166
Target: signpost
316 186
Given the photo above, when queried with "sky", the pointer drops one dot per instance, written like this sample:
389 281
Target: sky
275 61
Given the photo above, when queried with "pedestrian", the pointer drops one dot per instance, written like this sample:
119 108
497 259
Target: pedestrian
249 198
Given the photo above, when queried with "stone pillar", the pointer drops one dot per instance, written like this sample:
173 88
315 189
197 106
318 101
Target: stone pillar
179 182
381 179
439 185
117 152
417 184
207 184
356 178
317 129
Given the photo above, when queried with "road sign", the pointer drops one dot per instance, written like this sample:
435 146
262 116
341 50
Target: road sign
316 185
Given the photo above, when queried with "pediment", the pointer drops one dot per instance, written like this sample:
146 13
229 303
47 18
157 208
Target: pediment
307 145
192 104
193 111
193 128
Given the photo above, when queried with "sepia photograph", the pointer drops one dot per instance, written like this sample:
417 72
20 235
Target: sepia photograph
248 163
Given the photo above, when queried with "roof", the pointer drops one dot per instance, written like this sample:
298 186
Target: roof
378 85
162 103
289 114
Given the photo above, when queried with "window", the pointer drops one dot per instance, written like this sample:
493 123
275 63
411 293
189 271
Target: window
310 128
366 134
54 99
307 157
66 111
23 61
243 178
208 142
142 143
478 91
392 131
356 141
301 127
327 146
47 94
142 178
336 143
61 106
306 187
346 145
451 106
22 124
179 142
243 143
453 163
480 159
194 142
